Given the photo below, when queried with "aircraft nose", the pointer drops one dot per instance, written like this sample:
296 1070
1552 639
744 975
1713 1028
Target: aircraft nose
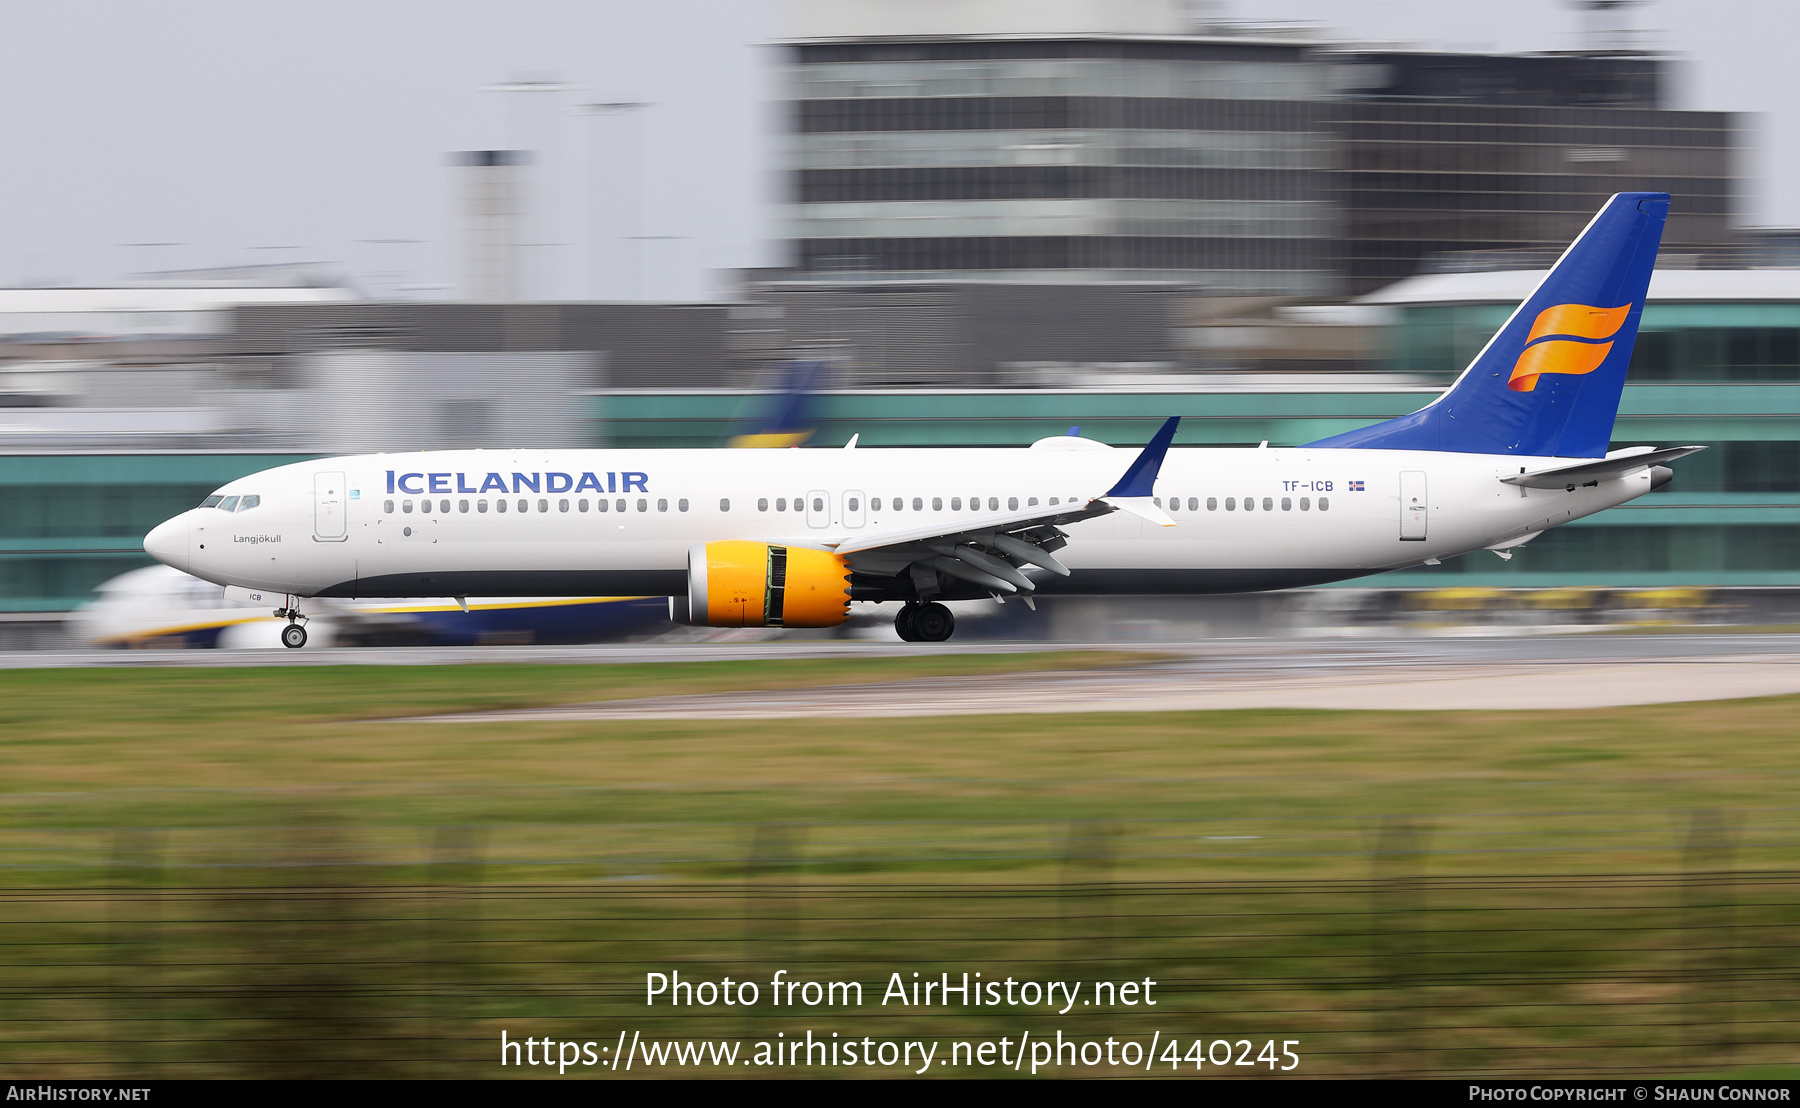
167 542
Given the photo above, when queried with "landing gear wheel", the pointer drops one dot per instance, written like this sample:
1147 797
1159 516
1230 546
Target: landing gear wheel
903 624
933 623
293 636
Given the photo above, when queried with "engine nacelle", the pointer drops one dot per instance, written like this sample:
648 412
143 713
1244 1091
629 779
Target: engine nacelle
755 584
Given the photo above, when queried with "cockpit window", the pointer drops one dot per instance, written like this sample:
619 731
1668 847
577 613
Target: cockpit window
229 504
211 501
248 502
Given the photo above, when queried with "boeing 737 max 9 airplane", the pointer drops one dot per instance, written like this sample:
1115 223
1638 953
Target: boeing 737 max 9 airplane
790 538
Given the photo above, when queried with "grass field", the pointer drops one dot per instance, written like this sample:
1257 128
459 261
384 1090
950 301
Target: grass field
1603 891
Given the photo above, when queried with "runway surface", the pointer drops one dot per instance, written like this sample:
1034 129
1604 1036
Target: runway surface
1410 674
1512 673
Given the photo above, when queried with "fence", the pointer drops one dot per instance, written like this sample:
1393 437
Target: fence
1402 947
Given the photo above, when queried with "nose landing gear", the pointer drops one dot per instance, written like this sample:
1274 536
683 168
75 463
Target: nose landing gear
924 622
293 636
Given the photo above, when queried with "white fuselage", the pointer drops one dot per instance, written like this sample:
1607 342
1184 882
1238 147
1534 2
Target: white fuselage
431 524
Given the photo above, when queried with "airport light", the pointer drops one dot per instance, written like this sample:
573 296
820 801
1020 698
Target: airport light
634 194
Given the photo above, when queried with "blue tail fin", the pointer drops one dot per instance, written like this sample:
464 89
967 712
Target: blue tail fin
1548 383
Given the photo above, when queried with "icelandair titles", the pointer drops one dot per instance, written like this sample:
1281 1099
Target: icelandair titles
416 483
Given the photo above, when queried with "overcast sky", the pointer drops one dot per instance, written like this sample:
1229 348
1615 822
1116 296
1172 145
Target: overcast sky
196 133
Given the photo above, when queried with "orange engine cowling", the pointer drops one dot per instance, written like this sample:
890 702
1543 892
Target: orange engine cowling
754 584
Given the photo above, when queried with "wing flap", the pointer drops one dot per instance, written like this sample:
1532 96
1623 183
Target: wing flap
1053 516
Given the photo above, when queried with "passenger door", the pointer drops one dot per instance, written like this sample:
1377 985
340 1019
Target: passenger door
1415 507
328 507
818 508
853 508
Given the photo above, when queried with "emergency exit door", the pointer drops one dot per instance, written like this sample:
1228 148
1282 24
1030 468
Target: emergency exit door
1415 507
328 507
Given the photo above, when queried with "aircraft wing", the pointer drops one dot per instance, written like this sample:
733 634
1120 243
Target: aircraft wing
989 550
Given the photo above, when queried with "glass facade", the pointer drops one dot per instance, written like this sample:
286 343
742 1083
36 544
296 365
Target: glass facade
1421 181
69 522
1676 342
1279 169
1066 160
1730 517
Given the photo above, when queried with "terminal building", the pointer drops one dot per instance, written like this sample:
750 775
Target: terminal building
1100 217
1080 142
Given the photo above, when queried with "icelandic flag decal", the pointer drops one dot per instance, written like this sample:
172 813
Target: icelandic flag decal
1356 486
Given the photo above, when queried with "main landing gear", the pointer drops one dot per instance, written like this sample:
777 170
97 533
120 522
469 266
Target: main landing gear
924 622
293 636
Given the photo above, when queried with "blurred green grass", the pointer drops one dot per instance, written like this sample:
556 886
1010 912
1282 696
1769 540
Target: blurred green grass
202 861
217 747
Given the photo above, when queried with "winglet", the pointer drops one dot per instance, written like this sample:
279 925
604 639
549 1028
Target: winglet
1141 477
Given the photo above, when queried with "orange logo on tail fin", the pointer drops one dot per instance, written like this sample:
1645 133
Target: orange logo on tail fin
1552 346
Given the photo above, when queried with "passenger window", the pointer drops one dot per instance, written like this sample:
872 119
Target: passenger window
1231 503
762 503
1156 500
619 504
1306 503
1268 503
1032 503
248 503
1249 503
581 505
481 506
211 501
919 504
406 506
229 504
644 505
1054 501
781 503
562 505
1324 504
1194 504
854 504
543 505
1212 503
1012 503
993 503
937 503
724 505
524 505
500 506
387 506
955 503
1174 504
600 505
462 506
818 504
1287 505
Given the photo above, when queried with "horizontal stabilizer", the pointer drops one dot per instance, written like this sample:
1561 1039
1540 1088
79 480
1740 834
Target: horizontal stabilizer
1606 469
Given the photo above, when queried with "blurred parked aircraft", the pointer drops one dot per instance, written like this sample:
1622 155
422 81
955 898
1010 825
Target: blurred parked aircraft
163 607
